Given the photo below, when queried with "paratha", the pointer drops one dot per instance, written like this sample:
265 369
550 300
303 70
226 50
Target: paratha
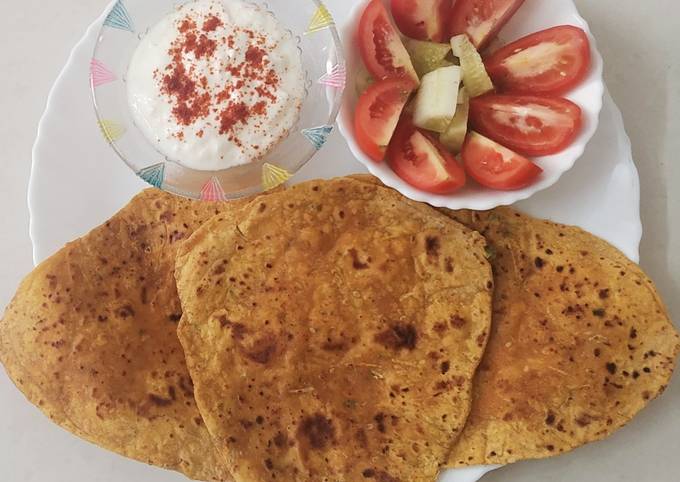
90 338
581 342
549 409
332 333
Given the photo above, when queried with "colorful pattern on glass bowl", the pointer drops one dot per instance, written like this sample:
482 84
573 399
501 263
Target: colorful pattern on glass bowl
310 23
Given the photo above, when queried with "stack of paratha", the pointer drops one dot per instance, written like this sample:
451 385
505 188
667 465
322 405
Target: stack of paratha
333 332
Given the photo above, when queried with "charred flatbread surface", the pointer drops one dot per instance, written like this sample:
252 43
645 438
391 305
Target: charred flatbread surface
91 338
333 332
581 342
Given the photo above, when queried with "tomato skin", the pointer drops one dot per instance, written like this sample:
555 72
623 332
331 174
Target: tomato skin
381 47
529 125
468 16
422 19
565 72
435 170
495 166
377 114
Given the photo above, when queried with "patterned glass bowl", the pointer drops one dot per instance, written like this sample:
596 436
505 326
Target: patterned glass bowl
128 21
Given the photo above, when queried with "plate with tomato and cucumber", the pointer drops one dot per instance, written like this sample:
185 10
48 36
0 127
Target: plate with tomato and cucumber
471 103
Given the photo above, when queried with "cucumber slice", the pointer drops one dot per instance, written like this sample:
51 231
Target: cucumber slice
475 77
363 79
437 99
454 136
427 56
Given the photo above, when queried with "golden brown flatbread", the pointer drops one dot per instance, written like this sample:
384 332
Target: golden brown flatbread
332 334
109 381
581 342
90 338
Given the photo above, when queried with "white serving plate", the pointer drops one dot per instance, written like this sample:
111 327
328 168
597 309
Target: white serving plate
533 16
78 182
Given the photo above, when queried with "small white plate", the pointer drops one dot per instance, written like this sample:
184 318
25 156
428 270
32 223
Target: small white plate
78 182
533 16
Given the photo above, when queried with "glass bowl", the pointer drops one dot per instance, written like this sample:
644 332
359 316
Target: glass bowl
129 21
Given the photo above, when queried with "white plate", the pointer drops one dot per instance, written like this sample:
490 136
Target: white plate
533 16
78 182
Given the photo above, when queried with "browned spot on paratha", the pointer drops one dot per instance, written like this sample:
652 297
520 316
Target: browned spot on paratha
581 342
90 338
350 304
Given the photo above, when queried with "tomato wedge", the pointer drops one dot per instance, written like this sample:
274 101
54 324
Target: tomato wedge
552 62
422 19
422 161
381 47
377 114
530 125
495 166
481 20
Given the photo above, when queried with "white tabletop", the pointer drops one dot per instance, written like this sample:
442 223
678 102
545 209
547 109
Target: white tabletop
642 63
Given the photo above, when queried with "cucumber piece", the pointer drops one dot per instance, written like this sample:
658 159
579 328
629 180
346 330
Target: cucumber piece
427 56
475 77
437 99
363 79
453 137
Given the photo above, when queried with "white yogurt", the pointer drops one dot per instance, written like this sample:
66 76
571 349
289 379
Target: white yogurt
216 84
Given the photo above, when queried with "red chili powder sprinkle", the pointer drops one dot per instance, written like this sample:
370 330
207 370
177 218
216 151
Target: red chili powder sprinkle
255 56
189 104
223 96
193 100
260 108
179 84
264 92
272 78
189 112
232 115
212 24
186 25
201 46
